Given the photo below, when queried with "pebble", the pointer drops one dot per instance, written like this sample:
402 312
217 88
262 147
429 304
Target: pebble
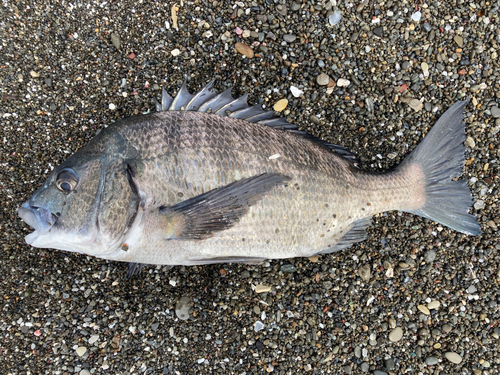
396 334
453 357
424 309
342 82
479 204
427 26
365 367
85 372
289 38
416 16
93 339
288 268
459 40
335 18
415 104
322 79
245 50
116 41
470 143
495 111
34 74
365 272
81 350
430 256
296 91
175 52
434 305
258 326
280 105
259 288
431 361
182 308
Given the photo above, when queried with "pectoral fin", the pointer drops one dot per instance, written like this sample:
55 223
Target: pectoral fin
219 209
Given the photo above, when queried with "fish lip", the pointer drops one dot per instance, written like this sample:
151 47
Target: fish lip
39 218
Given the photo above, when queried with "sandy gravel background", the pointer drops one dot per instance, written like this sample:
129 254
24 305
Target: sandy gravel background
414 298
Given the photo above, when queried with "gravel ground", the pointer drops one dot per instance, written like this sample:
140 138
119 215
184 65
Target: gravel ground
414 298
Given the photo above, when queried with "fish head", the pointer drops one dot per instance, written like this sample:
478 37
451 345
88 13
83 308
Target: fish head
84 206
63 212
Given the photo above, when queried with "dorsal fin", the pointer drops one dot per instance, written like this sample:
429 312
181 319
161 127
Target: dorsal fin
223 104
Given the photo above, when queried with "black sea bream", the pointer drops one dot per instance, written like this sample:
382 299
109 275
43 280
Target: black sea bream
209 179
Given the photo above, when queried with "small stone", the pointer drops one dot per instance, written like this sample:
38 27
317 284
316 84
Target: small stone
296 91
258 326
289 38
81 350
470 143
389 364
365 272
335 18
322 79
425 67
495 111
280 105
416 104
416 16
434 305
115 39
431 361
429 256
34 74
112 106
424 309
175 52
182 308
492 225
365 367
396 334
259 288
471 289
479 205
427 26
93 339
342 82
84 372
459 40
288 268
378 31
245 50
453 357
314 258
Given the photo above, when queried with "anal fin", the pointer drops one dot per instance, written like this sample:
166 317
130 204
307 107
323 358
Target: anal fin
357 233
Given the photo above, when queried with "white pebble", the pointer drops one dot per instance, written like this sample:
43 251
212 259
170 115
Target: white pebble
81 350
342 82
258 326
335 18
416 16
112 106
175 52
296 91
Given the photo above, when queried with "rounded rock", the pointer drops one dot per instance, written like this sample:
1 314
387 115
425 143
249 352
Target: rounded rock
322 79
280 105
396 334
453 357
245 50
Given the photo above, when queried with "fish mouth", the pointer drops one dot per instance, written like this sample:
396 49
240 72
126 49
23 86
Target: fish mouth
40 219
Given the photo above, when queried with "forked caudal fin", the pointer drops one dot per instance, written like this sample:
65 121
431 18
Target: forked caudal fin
441 157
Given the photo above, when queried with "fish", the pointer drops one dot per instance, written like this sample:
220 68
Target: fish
207 179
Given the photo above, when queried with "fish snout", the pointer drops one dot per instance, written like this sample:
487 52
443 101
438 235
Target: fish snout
40 219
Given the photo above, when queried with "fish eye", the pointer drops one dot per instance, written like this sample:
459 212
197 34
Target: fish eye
66 180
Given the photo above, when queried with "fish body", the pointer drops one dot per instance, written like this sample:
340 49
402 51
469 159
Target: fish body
209 179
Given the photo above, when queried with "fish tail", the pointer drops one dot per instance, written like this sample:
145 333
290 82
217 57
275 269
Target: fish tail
440 157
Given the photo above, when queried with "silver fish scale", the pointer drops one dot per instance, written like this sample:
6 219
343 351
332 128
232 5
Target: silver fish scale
184 154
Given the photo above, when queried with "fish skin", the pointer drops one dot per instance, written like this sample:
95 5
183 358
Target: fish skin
138 176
